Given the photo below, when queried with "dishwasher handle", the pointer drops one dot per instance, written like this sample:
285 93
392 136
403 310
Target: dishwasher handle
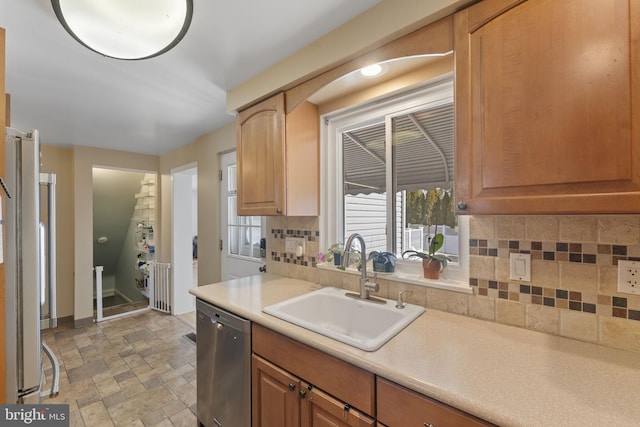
217 324
217 316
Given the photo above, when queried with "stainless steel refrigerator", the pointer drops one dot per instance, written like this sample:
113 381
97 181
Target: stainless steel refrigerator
30 269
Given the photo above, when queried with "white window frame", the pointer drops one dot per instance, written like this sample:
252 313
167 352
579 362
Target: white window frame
239 222
440 90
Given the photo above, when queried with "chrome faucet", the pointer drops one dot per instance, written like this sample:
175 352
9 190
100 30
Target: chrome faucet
365 285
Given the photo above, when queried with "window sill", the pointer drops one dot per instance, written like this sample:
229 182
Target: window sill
405 277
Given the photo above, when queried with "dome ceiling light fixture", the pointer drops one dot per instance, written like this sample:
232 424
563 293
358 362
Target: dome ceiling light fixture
126 29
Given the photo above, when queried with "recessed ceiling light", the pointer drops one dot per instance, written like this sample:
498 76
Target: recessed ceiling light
371 70
125 29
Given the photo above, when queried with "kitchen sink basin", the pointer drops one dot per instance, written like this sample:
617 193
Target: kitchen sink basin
362 324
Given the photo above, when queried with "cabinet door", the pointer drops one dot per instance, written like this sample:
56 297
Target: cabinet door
275 398
544 101
260 145
400 407
318 409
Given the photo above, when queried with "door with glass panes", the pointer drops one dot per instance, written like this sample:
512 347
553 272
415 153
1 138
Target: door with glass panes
240 234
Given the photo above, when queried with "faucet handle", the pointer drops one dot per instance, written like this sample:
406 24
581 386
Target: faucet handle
372 286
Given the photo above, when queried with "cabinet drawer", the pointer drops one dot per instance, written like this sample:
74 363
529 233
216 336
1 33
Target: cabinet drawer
321 409
398 406
348 383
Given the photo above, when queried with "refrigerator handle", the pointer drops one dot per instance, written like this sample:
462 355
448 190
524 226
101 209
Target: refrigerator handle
53 288
49 179
43 265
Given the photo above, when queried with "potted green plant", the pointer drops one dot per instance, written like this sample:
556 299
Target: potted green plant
334 253
432 263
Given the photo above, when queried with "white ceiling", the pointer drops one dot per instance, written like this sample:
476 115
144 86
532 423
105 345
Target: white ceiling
77 97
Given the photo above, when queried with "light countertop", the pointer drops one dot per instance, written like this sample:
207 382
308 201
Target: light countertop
506 375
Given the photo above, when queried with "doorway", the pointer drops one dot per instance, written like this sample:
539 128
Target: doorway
184 237
123 239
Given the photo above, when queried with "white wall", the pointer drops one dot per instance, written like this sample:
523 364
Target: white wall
205 152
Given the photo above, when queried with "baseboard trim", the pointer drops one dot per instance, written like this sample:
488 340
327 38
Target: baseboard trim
123 296
64 320
80 323
106 293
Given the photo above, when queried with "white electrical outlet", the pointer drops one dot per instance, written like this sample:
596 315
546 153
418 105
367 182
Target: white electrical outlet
629 277
294 245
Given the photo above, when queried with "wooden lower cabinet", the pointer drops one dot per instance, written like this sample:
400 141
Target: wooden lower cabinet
294 384
275 395
340 379
280 399
400 407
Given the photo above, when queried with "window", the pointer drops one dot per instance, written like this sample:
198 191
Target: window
244 232
389 173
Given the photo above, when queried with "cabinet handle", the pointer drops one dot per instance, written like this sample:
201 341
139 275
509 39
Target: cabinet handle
302 394
428 425
292 387
462 206
278 210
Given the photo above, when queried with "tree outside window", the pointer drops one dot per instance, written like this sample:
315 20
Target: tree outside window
433 211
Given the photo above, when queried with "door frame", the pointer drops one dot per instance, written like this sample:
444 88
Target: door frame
182 224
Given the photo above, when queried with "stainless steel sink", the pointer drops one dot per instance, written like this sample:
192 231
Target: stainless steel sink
359 323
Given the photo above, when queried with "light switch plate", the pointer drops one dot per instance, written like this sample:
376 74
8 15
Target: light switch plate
520 267
294 245
629 277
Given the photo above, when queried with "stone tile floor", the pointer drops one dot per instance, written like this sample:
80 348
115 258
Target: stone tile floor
138 370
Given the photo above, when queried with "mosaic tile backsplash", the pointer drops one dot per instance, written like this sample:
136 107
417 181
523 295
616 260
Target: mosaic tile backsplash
307 260
588 253
573 291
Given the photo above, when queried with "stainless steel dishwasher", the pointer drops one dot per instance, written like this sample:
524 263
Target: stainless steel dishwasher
224 367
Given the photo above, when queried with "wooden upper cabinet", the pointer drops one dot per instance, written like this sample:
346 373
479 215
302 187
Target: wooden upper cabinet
544 100
278 159
260 153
